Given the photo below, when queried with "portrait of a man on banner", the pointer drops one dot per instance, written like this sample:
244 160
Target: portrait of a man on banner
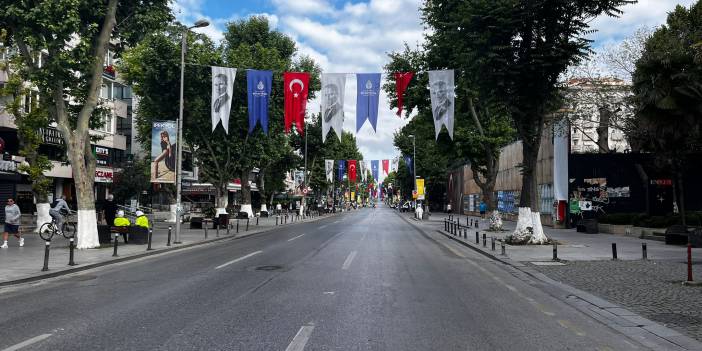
163 152
222 88
441 87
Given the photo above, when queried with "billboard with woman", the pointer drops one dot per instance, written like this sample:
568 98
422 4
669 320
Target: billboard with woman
163 152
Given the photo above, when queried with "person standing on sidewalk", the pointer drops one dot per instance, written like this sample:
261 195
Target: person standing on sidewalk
483 209
12 223
110 209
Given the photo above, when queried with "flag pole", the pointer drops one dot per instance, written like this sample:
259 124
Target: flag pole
303 208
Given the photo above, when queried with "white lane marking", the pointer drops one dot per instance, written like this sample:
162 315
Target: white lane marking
323 226
238 259
300 340
349 259
364 236
291 239
27 342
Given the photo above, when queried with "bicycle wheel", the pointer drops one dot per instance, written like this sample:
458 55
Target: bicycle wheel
69 230
46 231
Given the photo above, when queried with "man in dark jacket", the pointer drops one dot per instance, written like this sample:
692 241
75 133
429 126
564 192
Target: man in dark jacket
109 210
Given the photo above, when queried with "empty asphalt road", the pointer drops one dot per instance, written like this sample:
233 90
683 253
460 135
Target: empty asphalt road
362 280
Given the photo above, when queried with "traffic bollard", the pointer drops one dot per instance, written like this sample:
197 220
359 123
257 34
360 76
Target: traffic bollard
47 247
170 229
114 253
217 229
204 224
644 251
286 218
614 251
471 221
247 224
466 221
445 225
237 226
229 225
71 247
476 223
555 251
151 235
477 238
502 244
256 221
492 243
276 220
484 240
465 233
689 262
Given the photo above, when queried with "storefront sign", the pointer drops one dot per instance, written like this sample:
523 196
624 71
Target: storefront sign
102 156
663 182
103 176
51 136
8 166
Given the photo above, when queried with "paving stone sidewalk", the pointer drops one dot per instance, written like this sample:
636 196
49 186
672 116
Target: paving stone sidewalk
651 288
19 263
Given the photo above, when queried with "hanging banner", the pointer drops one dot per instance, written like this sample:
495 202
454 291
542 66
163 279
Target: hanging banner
329 169
386 168
394 165
408 163
352 170
295 85
259 89
163 151
441 87
420 189
362 168
367 97
222 88
374 169
402 80
342 169
333 89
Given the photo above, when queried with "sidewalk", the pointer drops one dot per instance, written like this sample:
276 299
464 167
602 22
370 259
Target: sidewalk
652 289
21 264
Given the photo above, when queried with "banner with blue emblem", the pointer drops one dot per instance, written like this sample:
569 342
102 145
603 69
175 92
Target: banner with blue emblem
259 89
367 97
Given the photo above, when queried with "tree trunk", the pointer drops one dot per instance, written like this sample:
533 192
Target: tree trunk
528 196
246 193
83 167
222 199
603 130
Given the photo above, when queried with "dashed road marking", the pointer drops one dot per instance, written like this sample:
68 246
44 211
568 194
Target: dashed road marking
238 259
291 239
568 325
27 342
300 340
348 261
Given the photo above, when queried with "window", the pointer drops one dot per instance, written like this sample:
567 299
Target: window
107 123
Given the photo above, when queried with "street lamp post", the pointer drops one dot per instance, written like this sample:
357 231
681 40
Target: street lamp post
414 163
179 141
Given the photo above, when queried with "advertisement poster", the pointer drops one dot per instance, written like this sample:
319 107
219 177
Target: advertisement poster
420 189
163 152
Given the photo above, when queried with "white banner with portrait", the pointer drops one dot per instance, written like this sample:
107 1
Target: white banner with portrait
333 90
441 87
329 170
222 90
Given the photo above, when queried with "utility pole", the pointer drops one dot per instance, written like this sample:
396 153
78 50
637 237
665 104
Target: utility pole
179 142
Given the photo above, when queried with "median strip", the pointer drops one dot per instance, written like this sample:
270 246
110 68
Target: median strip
238 259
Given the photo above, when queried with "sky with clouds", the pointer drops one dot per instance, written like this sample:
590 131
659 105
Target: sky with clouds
355 37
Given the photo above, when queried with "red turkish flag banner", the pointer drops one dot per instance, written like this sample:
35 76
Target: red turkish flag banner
386 167
352 170
402 80
295 85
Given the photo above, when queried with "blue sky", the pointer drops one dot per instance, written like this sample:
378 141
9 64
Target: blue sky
354 36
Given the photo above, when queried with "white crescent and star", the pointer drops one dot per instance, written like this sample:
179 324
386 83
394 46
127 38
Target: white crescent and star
296 81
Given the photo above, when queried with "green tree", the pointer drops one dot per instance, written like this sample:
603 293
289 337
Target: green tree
667 85
132 180
63 45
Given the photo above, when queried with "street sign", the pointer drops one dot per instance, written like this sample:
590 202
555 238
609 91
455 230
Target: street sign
304 191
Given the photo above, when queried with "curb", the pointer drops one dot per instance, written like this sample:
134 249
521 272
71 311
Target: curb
142 255
645 331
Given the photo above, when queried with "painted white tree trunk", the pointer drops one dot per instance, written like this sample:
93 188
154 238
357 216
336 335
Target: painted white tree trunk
264 208
538 237
87 230
219 211
42 215
302 210
247 208
524 223
173 213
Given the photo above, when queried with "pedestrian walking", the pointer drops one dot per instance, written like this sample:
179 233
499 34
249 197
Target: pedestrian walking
12 223
483 209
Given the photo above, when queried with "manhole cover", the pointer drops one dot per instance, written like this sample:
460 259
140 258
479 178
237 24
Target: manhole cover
268 268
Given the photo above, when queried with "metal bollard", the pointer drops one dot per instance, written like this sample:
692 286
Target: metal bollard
237 226
114 253
205 225
170 229
229 225
614 251
276 220
484 240
247 224
477 238
689 262
466 221
71 247
471 221
257 221
445 224
555 252
47 248
286 218
148 242
502 244
217 229
465 233
492 243
644 251
476 223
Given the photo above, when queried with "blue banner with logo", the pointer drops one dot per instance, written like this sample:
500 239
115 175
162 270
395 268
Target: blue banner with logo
259 89
374 170
367 97
408 162
342 169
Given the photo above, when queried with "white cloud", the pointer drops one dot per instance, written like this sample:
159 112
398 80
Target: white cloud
303 6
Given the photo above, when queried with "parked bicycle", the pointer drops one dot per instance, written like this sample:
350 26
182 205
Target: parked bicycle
48 230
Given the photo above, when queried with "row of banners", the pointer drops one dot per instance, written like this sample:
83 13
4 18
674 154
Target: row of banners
356 166
295 86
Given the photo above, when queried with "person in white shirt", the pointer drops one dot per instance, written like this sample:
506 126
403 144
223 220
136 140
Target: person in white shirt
12 222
